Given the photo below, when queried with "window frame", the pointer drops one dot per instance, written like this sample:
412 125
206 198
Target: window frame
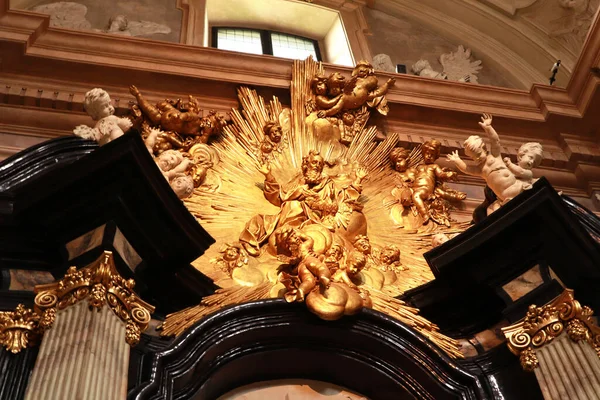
265 39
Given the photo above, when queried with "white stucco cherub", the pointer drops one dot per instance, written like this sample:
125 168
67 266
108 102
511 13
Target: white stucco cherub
529 156
490 165
174 167
108 126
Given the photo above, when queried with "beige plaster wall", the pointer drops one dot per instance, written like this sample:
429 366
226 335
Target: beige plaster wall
163 12
406 42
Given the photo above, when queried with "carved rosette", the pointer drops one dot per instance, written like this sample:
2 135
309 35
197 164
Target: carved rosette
542 324
19 329
102 285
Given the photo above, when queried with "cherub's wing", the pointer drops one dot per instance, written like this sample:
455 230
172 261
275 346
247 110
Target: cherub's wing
458 65
85 132
139 28
415 158
285 120
350 85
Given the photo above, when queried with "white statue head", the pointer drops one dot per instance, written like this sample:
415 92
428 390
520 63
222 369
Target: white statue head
97 104
530 155
169 159
420 65
182 185
383 62
117 23
475 148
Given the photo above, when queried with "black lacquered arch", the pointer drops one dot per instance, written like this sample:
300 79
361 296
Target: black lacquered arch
370 353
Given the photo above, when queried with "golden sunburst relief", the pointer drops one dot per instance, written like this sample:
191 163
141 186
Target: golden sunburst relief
305 204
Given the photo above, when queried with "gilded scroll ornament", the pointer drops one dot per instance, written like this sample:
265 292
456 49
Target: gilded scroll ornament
19 329
542 325
101 285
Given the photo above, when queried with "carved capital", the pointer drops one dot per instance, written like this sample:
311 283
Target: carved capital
19 329
542 324
101 284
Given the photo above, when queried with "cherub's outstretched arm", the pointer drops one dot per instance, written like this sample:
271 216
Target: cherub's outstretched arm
486 124
518 171
461 165
339 106
444 174
382 90
325 103
124 123
360 173
151 112
272 189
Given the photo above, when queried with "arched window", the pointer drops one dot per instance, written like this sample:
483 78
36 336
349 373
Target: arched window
257 41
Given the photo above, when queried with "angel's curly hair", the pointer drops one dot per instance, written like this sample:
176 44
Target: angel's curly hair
93 99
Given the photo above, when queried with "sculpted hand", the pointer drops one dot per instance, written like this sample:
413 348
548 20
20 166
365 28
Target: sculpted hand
134 91
321 114
486 121
125 124
265 169
306 192
361 173
391 82
454 157
507 160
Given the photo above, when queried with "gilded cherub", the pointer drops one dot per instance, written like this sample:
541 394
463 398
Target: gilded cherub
356 262
175 168
429 178
296 248
333 257
108 127
389 258
362 89
173 120
320 87
490 165
425 180
529 156
232 256
273 137
362 244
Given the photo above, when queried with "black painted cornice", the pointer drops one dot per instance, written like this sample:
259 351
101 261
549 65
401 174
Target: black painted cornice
538 227
64 188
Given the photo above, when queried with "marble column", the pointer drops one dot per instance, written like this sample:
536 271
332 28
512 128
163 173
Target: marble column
560 343
91 317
